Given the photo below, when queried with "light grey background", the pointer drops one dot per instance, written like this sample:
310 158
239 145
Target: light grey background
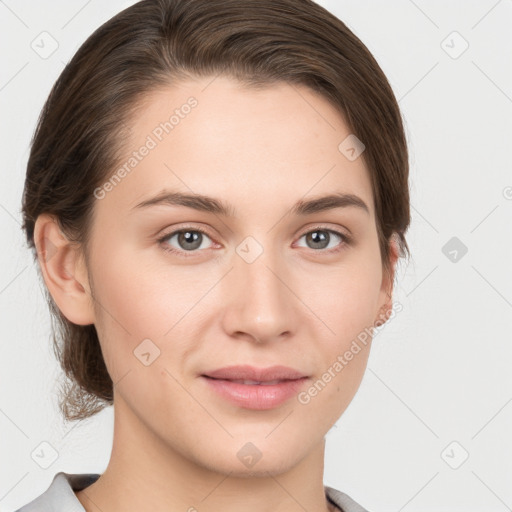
438 386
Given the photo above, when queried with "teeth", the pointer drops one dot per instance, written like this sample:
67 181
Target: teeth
252 382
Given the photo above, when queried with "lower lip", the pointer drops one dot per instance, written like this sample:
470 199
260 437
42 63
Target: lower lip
256 396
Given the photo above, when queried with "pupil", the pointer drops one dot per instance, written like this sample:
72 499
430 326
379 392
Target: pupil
319 238
186 237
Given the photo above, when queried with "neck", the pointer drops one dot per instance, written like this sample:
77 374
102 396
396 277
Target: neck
145 473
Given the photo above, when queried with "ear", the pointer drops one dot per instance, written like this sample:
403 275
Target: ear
386 291
64 271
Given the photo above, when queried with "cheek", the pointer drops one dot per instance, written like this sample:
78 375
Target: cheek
134 298
345 300
137 302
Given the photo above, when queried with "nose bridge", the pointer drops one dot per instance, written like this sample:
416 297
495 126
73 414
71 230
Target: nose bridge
261 302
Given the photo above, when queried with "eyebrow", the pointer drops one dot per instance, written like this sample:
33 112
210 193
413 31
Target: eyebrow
212 205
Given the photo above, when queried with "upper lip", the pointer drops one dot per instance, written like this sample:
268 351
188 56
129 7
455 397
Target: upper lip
247 372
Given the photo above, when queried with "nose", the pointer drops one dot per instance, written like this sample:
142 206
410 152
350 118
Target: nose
260 304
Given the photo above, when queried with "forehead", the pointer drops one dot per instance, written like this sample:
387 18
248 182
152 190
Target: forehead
218 137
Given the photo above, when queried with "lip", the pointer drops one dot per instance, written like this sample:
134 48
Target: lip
255 396
247 372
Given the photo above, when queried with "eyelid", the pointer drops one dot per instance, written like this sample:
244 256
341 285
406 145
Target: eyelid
345 238
169 234
327 227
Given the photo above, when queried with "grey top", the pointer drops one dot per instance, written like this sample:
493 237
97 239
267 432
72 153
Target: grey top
59 497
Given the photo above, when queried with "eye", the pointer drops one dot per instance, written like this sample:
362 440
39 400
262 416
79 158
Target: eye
188 240
320 238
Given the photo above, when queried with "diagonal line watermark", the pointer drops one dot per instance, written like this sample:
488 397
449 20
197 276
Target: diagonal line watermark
198 301
403 402
508 508
76 14
12 280
210 82
117 383
217 486
406 503
312 187
419 284
11 489
492 81
108 312
492 211
10 214
301 300
14 423
199 403
279 423
90 499
286 490
503 407
429 223
296 90
14 76
216 216
13 13
418 82
502 296
424 14
485 15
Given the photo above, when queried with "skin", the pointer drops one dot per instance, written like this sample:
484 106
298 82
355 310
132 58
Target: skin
176 441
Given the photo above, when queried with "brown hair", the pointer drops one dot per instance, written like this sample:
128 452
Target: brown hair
78 139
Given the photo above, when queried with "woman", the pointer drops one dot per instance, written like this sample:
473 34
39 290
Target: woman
217 194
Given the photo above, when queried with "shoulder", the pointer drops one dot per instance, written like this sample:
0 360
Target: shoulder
343 501
60 496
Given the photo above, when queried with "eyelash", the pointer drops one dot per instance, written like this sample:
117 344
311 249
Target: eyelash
345 240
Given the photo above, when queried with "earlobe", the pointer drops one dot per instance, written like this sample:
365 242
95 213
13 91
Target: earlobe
64 271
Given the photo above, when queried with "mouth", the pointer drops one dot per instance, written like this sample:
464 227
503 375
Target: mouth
256 395
252 374
253 382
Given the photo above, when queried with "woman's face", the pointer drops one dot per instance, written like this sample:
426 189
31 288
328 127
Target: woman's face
266 284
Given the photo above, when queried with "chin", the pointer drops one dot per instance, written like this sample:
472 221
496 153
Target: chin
268 462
